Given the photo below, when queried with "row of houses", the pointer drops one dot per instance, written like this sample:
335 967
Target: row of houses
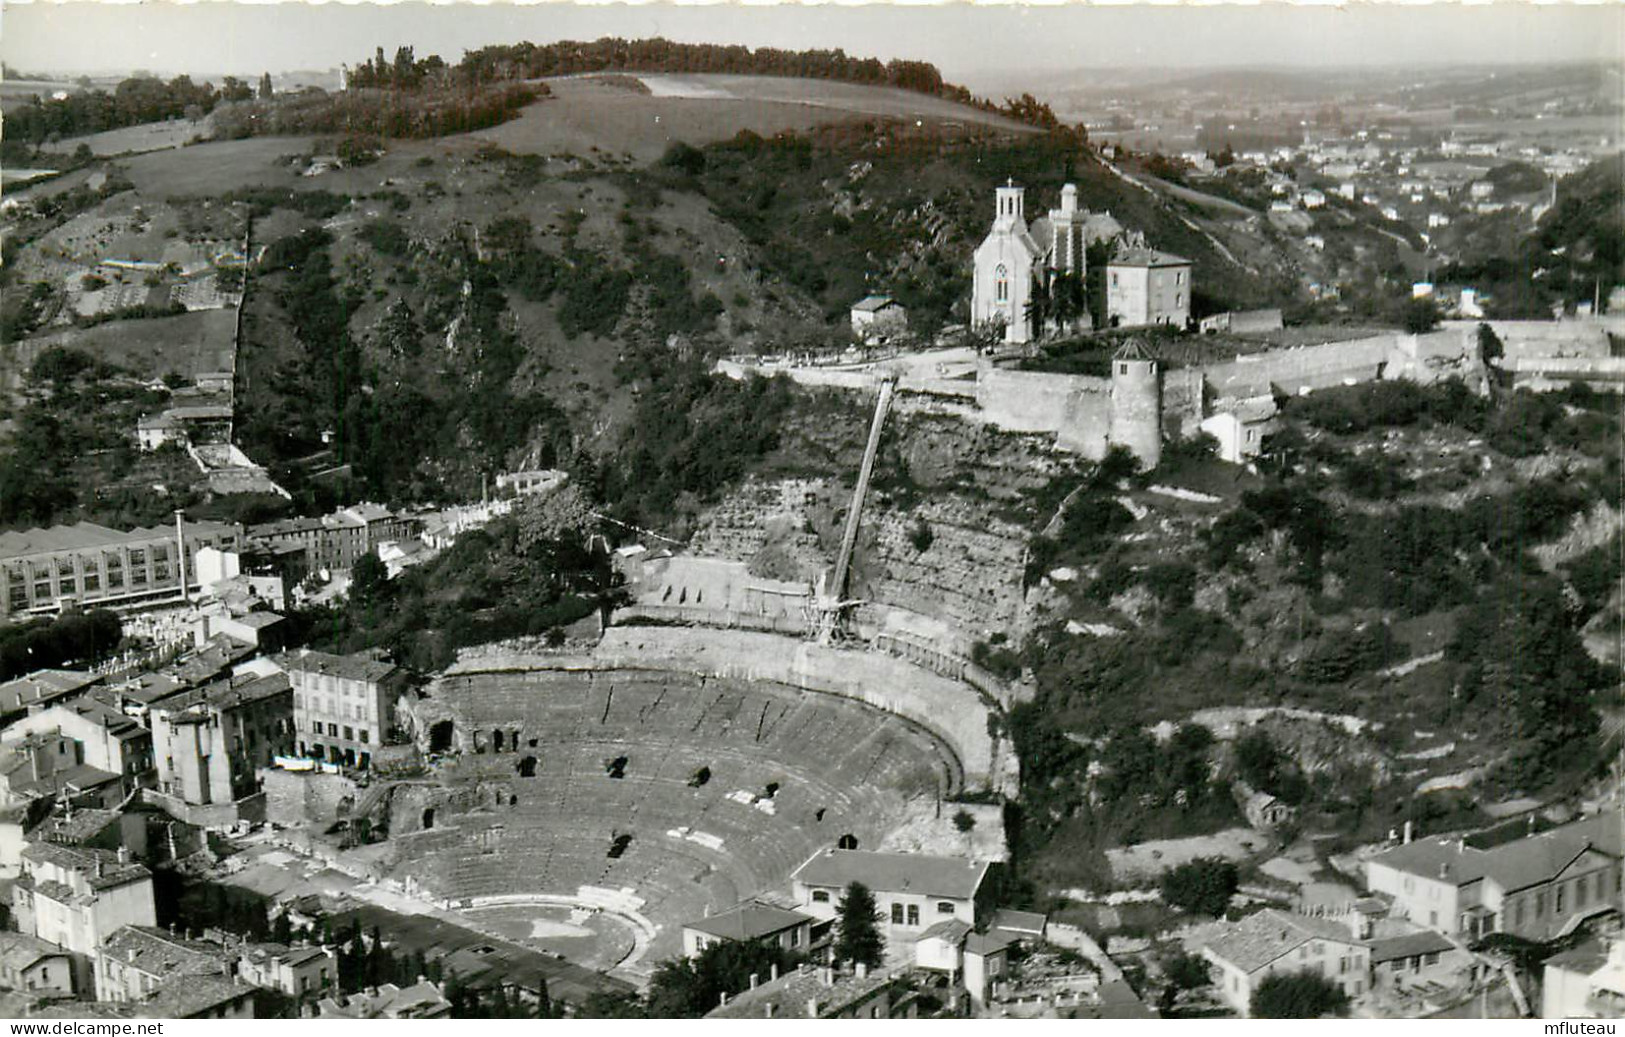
1431 900
939 916
191 738
88 943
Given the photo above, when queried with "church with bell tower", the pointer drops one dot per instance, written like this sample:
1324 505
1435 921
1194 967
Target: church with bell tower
1014 252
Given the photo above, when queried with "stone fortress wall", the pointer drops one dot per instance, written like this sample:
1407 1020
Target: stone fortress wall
1078 409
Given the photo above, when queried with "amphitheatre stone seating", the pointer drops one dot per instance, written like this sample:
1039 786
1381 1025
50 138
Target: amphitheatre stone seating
840 767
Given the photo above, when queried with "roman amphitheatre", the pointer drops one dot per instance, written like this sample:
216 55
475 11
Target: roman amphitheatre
586 805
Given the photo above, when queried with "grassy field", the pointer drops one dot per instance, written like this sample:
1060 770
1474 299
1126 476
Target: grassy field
188 344
151 136
590 114
208 169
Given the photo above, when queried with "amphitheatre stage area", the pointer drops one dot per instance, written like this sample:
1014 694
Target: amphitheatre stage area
587 806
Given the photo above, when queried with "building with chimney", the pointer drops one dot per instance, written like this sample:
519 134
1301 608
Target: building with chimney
1540 887
1146 287
90 731
77 898
86 565
211 741
1271 943
138 961
750 922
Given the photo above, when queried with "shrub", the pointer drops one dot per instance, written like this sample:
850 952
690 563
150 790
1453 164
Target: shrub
1203 886
1297 995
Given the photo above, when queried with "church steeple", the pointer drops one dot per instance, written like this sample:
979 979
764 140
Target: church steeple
1011 205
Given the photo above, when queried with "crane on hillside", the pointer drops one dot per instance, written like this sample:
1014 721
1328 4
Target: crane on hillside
830 606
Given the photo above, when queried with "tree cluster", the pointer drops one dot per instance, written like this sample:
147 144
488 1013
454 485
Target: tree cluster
71 639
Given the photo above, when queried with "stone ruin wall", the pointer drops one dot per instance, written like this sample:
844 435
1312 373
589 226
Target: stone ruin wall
950 709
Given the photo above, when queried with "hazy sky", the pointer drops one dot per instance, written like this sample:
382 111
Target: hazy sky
967 42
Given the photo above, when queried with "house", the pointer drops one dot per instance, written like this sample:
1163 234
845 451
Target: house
90 731
977 960
41 688
85 564
211 740
913 891
821 993
1540 887
878 318
77 898
1479 190
421 1000
1313 199
299 972
1274 942
1415 958
201 997
1014 254
1144 286
1240 429
137 961
1263 811
264 629
1585 982
43 768
1021 926
343 705
36 965
752 922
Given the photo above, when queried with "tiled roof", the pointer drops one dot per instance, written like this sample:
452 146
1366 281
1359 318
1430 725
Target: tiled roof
950 930
790 993
748 921
164 955
82 824
82 777
42 686
229 693
1261 938
895 872
1019 921
351 667
111 871
19 950
1515 865
193 996
1409 946
1584 958
987 943
1147 257
872 303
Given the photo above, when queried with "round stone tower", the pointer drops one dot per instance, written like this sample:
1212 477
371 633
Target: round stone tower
1136 407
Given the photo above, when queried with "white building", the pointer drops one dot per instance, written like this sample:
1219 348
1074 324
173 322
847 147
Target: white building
750 922
77 898
1241 428
913 891
1144 286
1272 943
1585 982
343 705
1013 254
878 318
